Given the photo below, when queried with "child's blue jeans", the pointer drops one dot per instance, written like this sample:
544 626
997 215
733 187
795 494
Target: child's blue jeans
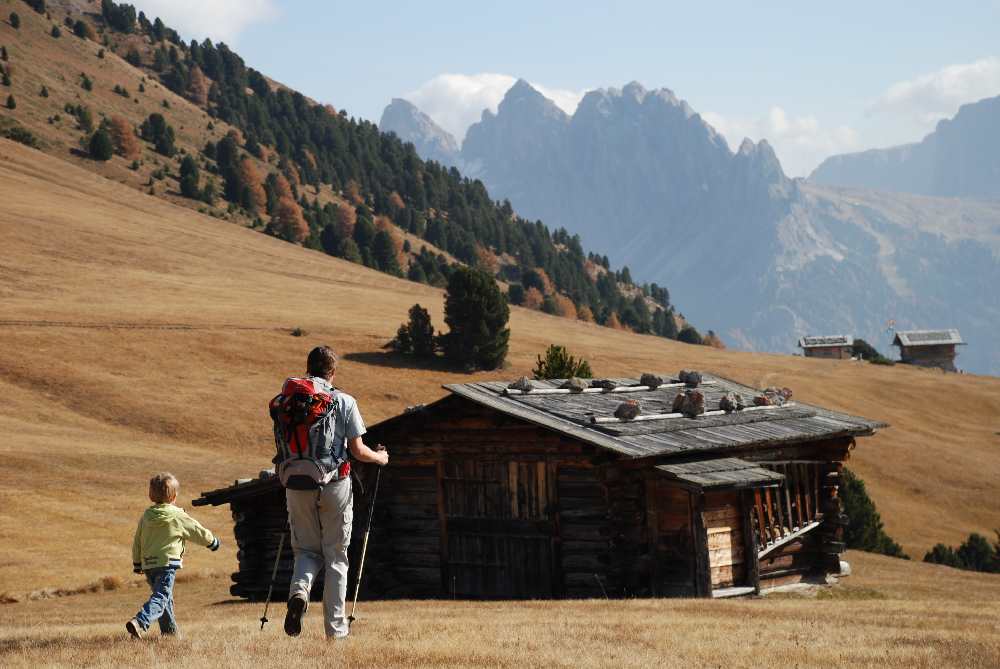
161 603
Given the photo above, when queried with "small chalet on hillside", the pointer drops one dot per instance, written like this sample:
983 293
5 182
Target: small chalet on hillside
494 492
929 348
838 347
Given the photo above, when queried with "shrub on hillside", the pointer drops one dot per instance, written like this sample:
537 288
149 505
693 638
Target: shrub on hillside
133 57
416 336
476 313
975 554
21 135
86 83
689 335
515 294
56 32
100 145
865 530
11 102
44 92
37 5
559 364
157 131
6 78
15 21
3 54
83 30
189 178
866 351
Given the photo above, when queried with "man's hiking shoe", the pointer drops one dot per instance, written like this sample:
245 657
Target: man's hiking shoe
293 618
134 628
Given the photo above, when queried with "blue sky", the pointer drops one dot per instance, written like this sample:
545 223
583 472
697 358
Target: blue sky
812 80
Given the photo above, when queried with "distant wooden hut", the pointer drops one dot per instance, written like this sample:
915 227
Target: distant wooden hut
838 347
498 493
929 348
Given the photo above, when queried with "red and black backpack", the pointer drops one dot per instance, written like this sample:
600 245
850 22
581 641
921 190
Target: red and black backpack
310 454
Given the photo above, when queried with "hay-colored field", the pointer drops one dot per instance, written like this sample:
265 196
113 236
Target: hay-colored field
893 614
136 335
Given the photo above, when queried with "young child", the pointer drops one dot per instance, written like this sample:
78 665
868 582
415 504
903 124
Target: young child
157 550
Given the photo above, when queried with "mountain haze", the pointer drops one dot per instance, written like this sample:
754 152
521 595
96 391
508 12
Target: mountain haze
759 257
961 158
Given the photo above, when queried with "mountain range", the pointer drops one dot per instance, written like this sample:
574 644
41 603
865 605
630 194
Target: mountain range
759 257
961 158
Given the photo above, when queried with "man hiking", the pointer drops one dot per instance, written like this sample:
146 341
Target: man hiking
315 428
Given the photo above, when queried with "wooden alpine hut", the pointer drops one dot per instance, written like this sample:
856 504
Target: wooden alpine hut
928 348
547 490
837 347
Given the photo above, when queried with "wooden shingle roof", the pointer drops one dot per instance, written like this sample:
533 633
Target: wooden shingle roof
721 473
574 416
927 337
826 340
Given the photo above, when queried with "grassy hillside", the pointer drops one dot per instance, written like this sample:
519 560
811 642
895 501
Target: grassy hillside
340 168
138 335
893 614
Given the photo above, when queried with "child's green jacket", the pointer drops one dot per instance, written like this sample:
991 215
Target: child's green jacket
161 535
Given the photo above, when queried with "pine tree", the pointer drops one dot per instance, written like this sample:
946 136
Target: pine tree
189 178
100 145
689 335
559 364
864 530
476 313
384 253
349 250
11 102
3 53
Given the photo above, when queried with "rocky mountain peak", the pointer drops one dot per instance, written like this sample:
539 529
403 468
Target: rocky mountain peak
412 125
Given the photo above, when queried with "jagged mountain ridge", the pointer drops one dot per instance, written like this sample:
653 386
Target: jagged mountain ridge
961 158
759 257
431 141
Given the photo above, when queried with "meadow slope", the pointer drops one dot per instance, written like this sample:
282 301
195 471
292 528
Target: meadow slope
136 335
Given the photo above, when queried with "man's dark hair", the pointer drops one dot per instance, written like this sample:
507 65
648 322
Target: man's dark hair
322 362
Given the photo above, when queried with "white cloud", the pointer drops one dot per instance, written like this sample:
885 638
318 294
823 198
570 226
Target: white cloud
456 101
220 20
801 142
926 99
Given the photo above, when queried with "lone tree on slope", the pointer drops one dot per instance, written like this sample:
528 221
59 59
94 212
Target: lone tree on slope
476 313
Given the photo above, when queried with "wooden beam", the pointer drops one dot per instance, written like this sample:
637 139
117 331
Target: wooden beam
750 544
617 389
443 520
603 420
703 570
788 539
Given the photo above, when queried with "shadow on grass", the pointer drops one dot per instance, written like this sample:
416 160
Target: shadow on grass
400 361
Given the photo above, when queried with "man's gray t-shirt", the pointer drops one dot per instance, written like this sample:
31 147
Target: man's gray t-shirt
349 422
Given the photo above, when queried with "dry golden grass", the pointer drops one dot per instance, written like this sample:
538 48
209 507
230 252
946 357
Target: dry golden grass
137 336
895 615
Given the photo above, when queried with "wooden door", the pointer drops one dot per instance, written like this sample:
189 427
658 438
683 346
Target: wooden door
498 530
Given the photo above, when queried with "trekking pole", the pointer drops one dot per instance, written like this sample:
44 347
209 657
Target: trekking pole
364 548
270 588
